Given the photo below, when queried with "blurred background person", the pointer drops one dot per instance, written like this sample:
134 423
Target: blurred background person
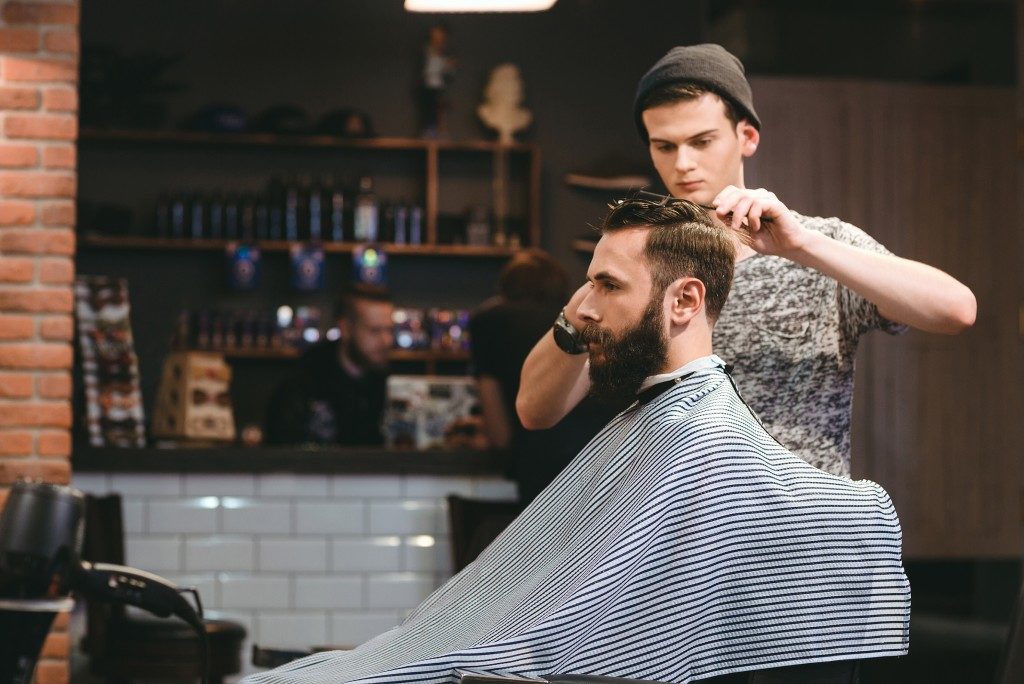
531 290
337 395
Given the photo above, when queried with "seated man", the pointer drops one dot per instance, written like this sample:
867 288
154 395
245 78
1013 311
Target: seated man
337 395
683 542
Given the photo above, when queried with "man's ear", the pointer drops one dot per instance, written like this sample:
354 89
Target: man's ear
685 300
343 327
749 137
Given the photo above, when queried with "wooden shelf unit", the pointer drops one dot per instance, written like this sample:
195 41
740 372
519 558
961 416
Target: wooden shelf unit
432 150
98 241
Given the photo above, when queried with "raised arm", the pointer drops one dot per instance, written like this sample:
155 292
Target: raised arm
553 382
904 291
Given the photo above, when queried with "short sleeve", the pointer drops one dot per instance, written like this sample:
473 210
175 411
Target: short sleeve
856 314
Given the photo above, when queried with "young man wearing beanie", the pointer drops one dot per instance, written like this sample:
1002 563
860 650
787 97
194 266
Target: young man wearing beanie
805 290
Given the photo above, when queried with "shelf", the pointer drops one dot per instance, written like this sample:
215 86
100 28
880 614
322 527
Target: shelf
424 355
92 240
429 355
231 458
197 139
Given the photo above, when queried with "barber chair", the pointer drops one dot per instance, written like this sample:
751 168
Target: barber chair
475 524
123 646
1011 661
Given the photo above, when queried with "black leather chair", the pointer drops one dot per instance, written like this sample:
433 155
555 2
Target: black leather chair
123 646
474 525
1011 661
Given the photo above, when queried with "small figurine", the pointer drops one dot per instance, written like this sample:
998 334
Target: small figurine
438 69
502 97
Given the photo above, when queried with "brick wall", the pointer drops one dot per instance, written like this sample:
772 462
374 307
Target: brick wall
39 48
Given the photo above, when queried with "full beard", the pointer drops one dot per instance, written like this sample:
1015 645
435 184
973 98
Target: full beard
619 366
362 361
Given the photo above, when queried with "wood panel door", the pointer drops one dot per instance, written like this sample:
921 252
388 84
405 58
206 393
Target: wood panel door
930 172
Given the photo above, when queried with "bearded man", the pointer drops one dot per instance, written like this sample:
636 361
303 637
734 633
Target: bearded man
683 542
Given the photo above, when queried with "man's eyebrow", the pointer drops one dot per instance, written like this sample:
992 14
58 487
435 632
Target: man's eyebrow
603 277
692 137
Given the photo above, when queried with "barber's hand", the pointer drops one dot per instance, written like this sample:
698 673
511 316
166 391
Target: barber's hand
765 223
574 304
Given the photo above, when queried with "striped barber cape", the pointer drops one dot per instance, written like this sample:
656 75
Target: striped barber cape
683 542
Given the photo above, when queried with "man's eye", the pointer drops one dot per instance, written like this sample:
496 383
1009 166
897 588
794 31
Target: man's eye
663 148
703 142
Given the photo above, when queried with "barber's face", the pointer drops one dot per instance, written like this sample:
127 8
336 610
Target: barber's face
625 329
696 149
369 334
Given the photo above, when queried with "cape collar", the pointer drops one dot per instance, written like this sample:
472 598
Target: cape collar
656 385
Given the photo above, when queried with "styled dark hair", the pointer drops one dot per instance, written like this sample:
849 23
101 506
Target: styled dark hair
682 242
685 92
346 306
532 276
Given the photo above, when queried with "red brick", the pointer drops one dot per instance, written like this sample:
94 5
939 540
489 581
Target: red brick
39 70
36 300
16 327
62 41
35 414
16 270
36 356
37 241
19 39
59 157
46 469
41 13
55 271
56 386
52 672
15 443
56 443
57 328
16 213
37 184
60 99
17 386
59 214
19 98
41 126
14 156
57 645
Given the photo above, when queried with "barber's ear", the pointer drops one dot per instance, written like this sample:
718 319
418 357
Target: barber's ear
686 300
750 137
343 327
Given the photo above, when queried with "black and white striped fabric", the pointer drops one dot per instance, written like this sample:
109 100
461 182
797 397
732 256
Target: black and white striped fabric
683 542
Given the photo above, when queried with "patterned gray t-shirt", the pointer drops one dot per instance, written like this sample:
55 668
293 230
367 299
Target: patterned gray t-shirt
791 334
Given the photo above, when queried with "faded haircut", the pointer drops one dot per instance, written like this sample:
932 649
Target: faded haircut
683 242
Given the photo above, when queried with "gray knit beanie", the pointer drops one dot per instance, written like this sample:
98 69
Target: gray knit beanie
709 65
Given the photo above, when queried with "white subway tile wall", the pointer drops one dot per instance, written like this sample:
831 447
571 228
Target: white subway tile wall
300 560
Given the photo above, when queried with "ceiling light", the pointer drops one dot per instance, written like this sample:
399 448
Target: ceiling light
478 5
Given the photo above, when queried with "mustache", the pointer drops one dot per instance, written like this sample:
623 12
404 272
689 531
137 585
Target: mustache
594 334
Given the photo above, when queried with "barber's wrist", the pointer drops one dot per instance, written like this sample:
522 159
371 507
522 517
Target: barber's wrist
567 337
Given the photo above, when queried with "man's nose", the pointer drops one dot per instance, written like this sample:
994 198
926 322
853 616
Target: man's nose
684 159
586 309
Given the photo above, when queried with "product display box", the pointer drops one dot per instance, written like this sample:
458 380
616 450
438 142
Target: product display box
427 412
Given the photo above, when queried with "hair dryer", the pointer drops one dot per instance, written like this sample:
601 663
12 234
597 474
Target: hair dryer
40 541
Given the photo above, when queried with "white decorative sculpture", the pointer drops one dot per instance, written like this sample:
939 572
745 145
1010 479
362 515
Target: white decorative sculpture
502 97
